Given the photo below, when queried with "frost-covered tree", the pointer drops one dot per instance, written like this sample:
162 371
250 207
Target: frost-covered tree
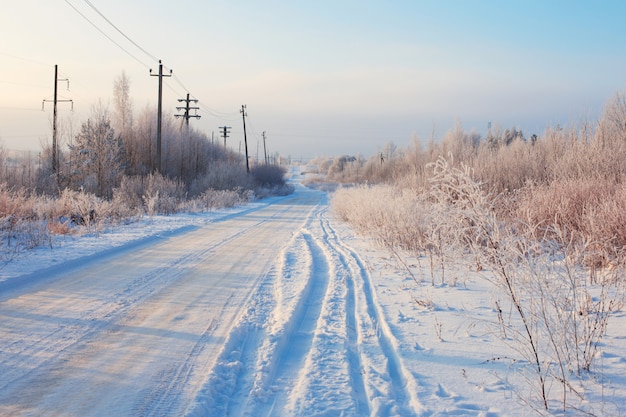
97 156
123 106
510 135
612 124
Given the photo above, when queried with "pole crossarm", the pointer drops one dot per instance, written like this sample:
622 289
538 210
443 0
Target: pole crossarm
225 132
187 109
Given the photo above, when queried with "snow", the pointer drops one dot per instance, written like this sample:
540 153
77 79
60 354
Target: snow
271 309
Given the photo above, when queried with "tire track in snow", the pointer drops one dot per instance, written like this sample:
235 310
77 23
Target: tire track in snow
265 355
335 355
331 383
235 382
295 341
231 377
355 365
239 345
404 389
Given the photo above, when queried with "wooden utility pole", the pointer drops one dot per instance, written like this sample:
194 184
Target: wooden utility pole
186 116
265 148
55 145
245 138
225 133
159 113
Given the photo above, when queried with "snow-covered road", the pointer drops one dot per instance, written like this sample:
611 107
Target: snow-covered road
270 309
256 313
312 339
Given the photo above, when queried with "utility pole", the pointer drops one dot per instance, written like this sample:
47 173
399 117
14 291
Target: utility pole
159 112
225 133
55 146
245 138
186 115
265 148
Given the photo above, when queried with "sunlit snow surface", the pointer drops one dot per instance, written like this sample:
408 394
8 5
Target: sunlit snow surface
271 309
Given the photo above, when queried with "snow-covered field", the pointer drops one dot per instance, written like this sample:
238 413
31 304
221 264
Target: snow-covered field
271 309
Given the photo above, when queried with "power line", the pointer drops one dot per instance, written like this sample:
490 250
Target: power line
213 112
23 84
120 32
19 108
180 83
107 36
26 59
175 91
229 117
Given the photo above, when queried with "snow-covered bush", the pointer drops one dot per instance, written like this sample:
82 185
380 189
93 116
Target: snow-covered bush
591 210
162 195
130 192
151 194
268 176
79 208
222 175
20 229
396 218
212 199
560 317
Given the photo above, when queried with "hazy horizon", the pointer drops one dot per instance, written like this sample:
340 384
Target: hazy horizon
321 78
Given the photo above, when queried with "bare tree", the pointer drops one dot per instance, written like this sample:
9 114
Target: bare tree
97 155
613 122
123 106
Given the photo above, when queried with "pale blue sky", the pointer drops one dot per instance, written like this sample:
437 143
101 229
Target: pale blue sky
321 77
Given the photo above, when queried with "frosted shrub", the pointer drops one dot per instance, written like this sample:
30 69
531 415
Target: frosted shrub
270 180
591 210
151 202
17 235
214 199
129 193
113 211
394 217
222 175
268 175
457 203
154 194
162 195
15 208
16 204
20 226
560 318
508 168
76 208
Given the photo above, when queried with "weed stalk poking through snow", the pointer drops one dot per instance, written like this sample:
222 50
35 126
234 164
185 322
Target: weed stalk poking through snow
560 318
